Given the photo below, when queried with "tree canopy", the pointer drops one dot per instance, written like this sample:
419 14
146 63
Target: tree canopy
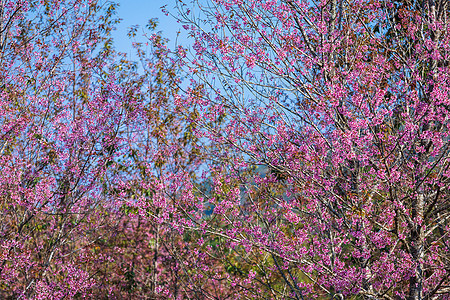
296 150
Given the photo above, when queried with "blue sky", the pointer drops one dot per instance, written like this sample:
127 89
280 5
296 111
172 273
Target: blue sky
138 12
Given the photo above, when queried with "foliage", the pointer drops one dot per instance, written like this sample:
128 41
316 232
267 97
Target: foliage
307 156
344 104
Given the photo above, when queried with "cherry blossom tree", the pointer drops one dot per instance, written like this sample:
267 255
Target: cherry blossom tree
308 156
90 146
67 99
328 146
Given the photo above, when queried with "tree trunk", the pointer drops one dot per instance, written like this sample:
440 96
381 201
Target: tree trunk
417 249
